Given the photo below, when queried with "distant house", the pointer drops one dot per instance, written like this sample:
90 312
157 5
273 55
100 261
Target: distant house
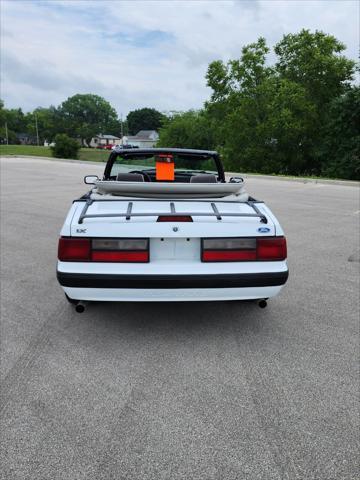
25 139
103 140
143 139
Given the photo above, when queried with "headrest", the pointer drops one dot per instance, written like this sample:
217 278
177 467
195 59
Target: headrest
203 178
130 177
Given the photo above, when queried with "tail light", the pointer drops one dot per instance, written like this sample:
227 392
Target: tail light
228 249
271 248
135 250
174 218
243 249
74 249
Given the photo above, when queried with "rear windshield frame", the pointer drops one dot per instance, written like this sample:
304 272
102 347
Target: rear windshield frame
193 154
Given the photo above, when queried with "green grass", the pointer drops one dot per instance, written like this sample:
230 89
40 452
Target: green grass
94 155
25 150
89 154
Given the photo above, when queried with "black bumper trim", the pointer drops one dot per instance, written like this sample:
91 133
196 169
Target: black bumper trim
232 280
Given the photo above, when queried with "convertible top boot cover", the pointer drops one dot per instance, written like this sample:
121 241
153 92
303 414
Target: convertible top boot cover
142 189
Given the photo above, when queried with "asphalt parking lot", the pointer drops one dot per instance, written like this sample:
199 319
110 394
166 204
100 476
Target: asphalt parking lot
187 390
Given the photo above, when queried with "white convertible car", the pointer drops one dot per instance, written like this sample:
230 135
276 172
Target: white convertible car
163 224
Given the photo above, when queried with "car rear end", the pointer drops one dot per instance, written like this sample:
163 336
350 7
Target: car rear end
171 251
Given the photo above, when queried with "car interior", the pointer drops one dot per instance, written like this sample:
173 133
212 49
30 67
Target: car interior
150 176
164 168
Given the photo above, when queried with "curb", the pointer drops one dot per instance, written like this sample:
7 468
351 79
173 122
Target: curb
320 181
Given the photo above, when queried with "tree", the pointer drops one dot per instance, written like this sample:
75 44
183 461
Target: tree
270 118
240 102
240 76
144 119
192 129
268 132
2 113
84 116
14 120
48 122
2 122
341 137
314 60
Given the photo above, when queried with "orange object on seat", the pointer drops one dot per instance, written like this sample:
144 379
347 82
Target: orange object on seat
165 167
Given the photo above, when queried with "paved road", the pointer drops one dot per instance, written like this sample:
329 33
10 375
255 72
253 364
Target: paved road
179 391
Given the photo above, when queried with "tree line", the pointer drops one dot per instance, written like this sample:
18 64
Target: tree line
299 115
81 116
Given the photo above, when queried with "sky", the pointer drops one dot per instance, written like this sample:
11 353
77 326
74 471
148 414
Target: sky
144 53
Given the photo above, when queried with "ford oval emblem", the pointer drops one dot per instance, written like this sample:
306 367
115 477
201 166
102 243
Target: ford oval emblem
264 230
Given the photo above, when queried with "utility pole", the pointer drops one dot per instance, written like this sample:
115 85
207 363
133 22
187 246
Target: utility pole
37 130
121 126
6 133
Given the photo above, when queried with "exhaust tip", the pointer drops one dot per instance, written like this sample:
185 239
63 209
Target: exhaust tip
262 303
80 307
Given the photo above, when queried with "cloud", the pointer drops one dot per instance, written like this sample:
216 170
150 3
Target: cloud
144 53
44 75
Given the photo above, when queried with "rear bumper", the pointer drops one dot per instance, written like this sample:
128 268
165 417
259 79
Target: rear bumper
229 280
166 288
170 295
